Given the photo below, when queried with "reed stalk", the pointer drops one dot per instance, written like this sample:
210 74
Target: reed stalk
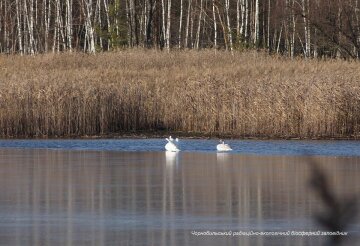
243 95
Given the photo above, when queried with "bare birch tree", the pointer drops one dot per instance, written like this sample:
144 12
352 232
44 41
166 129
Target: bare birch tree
199 26
69 24
19 30
229 31
88 25
257 24
306 26
188 24
215 24
180 22
290 27
168 33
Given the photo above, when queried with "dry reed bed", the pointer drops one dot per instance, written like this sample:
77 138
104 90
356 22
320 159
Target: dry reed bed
247 94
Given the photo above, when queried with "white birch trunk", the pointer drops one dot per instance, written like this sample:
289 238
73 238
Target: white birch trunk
223 28
292 41
188 24
62 33
133 23
168 33
256 34
98 20
31 27
56 24
128 20
180 22
242 26
6 32
192 30
229 34
144 22
69 24
305 18
357 29
238 25
163 9
268 24
199 26
315 45
215 24
36 13
46 32
106 7
89 27
278 45
36 25
1 23
26 28
19 31
308 48
246 26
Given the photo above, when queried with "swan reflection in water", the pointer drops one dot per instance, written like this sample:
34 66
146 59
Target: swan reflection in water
52 198
223 157
172 158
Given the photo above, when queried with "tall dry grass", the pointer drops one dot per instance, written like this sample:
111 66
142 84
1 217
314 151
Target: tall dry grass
247 94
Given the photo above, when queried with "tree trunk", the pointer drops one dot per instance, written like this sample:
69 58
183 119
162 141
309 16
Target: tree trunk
129 23
238 21
69 24
278 44
149 23
31 27
188 24
180 23
268 24
257 27
192 30
19 31
88 25
163 21
292 41
223 28
199 26
306 28
168 33
106 7
215 24
229 34
246 26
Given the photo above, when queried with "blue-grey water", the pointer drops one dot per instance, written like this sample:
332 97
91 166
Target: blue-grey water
132 192
253 147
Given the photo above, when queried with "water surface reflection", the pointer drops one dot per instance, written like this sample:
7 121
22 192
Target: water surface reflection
52 197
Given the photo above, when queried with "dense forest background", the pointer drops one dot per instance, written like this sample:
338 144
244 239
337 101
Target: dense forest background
317 28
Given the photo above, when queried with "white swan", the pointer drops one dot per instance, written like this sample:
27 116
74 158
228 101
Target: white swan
171 146
172 140
223 146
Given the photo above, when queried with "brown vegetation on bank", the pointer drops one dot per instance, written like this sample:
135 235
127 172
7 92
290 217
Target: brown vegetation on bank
245 94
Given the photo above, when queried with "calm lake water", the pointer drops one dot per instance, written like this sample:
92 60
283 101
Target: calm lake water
252 147
131 192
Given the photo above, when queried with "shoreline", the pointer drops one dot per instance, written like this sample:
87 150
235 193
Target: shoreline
183 135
